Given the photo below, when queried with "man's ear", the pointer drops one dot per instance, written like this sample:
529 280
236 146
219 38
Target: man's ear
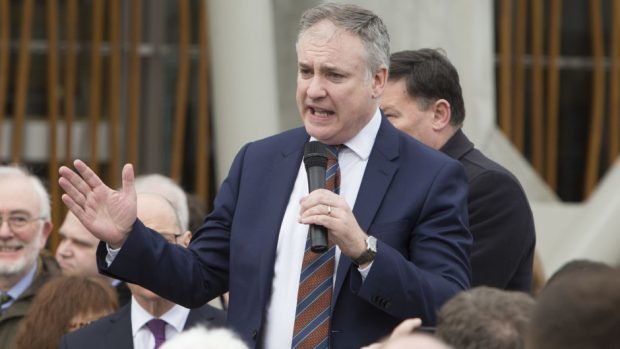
185 238
379 80
45 232
442 114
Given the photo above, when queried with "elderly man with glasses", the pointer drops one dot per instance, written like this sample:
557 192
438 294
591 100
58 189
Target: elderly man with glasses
25 224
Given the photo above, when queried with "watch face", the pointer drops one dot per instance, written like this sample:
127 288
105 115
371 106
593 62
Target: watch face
372 243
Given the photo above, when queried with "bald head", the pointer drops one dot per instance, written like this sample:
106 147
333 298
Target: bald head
158 214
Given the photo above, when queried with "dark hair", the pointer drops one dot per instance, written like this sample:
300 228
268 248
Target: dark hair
429 76
355 19
576 266
485 317
57 302
582 312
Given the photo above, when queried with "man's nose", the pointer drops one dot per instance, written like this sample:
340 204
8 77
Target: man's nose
64 249
316 88
5 229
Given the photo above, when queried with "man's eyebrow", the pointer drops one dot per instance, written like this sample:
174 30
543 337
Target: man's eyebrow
19 211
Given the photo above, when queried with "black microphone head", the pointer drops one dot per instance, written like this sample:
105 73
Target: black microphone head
315 154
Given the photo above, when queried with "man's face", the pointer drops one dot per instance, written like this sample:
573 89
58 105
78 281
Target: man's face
76 253
405 113
336 97
20 246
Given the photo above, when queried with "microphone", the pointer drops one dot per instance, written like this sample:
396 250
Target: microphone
315 160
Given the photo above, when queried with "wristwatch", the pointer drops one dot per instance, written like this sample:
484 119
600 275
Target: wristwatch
369 254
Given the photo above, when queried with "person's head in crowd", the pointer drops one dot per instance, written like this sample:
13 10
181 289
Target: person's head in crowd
342 70
166 187
201 337
64 304
76 253
25 223
157 213
580 309
485 317
575 267
197 211
423 96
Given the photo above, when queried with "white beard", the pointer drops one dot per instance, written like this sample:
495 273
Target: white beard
27 260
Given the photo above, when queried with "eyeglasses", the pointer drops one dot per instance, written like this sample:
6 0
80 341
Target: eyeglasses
18 221
171 238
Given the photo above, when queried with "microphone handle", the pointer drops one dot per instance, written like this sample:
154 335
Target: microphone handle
318 233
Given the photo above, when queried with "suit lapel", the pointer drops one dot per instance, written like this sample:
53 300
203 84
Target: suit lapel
379 172
197 316
119 334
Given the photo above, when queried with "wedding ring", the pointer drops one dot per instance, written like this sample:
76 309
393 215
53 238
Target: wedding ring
329 210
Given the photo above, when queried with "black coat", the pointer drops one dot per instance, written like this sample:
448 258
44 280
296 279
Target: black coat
500 220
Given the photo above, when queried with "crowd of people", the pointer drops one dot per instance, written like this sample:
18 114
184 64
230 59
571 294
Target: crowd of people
431 243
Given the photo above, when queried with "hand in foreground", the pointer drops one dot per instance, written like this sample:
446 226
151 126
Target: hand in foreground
404 328
106 213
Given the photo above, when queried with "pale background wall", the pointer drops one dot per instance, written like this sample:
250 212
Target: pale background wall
253 70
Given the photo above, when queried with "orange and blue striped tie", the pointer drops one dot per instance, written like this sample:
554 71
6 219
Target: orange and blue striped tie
316 280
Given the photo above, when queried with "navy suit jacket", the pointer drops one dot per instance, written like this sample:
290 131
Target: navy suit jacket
114 331
412 198
500 219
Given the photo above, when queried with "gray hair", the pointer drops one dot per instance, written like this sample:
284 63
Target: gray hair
357 20
37 186
169 190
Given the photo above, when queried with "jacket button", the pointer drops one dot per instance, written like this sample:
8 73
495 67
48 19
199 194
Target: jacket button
254 334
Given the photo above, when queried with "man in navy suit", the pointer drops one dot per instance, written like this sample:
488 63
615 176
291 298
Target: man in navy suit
399 221
423 98
127 328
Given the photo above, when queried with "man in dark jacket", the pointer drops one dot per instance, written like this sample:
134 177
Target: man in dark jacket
423 98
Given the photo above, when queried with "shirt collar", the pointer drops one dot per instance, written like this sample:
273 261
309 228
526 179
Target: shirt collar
175 317
361 144
23 284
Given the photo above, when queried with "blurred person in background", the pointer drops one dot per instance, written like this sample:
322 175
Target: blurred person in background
485 317
201 337
65 304
149 319
423 98
76 255
25 224
579 308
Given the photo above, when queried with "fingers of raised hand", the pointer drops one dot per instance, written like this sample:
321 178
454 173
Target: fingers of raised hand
73 185
90 178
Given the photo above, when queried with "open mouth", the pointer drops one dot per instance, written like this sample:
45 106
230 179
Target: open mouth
320 112
10 249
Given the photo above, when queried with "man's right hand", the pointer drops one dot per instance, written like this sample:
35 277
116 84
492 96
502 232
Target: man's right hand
108 214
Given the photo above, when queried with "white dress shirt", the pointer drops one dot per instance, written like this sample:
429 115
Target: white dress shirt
142 337
352 160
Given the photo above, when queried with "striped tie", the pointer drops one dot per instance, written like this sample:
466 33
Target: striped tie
316 280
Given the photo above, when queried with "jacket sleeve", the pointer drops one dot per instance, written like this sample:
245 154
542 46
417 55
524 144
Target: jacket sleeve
187 276
434 264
